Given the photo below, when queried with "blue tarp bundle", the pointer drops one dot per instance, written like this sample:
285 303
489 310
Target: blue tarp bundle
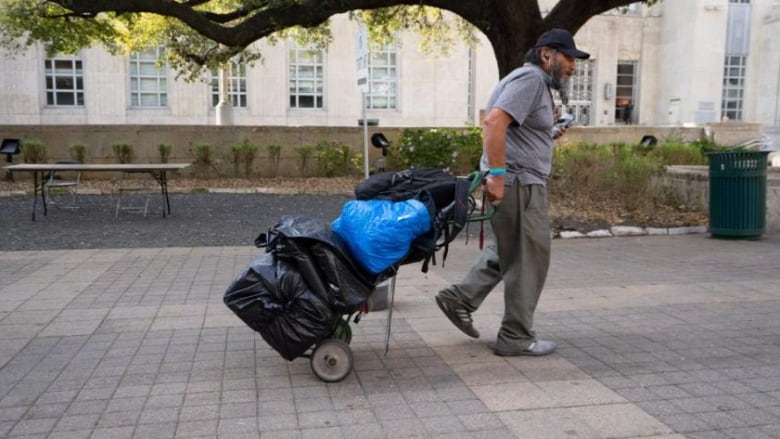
379 233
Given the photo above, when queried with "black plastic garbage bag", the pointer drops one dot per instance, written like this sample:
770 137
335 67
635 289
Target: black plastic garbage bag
272 298
323 260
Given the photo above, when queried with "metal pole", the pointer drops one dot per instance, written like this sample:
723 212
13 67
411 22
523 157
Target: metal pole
391 300
365 138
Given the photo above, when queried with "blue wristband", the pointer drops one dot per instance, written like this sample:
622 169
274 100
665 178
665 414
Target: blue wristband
497 171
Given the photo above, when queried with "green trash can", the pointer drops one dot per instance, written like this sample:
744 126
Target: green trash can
738 193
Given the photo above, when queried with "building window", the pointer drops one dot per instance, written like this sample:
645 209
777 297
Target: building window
580 92
733 87
624 92
148 82
64 81
383 78
236 76
307 88
739 1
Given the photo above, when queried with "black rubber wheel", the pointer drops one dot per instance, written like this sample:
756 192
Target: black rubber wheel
332 360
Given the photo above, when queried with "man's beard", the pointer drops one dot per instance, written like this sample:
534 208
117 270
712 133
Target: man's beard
562 86
560 83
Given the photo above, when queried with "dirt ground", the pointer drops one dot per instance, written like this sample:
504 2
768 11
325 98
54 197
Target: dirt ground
563 217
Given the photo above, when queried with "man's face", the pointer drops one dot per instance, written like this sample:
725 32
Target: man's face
562 69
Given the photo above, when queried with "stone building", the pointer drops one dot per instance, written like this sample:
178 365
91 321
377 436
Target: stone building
676 63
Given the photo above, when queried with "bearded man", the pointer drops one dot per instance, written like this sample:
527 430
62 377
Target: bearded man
518 136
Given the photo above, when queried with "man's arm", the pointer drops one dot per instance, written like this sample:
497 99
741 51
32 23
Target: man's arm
494 130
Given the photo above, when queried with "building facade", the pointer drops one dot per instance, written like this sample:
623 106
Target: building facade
676 63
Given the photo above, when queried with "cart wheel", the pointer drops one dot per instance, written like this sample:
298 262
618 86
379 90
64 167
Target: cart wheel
331 360
342 331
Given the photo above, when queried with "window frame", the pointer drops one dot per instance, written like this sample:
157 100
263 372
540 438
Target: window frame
297 63
384 88
626 91
733 94
54 79
139 77
580 92
237 85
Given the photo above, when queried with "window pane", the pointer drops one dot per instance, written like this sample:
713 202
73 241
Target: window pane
64 65
63 82
306 101
65 98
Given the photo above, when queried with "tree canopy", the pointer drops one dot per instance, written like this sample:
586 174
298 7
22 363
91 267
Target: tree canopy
207 33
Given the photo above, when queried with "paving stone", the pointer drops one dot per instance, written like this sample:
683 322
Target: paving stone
640 324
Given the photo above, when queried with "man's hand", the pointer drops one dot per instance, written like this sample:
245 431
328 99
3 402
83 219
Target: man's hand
494 188
558 132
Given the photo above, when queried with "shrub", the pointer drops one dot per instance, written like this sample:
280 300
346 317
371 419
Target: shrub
78 152
34 151
458 150
245 153
580 172
203 160
123 152
274 154
332 158
678 153
235 151
165 151
305 154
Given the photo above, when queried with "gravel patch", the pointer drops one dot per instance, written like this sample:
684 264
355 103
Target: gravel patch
197 219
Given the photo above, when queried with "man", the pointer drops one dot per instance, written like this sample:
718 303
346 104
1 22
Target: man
517 152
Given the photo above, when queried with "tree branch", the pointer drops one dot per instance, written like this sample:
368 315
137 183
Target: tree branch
573 14
261 21
512 26
226 18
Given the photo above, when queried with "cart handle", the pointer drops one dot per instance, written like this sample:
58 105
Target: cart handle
477 179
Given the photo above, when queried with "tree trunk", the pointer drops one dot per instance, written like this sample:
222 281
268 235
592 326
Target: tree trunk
510 54
512 28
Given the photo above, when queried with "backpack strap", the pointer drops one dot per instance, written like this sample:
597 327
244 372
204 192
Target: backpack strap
453 218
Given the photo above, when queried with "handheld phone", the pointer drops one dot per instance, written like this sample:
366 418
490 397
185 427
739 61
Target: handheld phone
565 121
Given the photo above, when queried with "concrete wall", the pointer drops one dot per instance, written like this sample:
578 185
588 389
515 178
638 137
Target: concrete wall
145 138
691 185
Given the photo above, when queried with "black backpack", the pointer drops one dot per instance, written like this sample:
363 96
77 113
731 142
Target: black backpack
447 197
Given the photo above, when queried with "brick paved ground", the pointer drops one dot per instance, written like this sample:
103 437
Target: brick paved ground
662 337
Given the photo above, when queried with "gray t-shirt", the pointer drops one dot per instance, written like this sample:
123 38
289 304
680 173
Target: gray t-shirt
525 95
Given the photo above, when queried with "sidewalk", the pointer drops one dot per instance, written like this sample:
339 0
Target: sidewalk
659 337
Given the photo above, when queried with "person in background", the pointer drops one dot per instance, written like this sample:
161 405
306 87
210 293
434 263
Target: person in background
517 153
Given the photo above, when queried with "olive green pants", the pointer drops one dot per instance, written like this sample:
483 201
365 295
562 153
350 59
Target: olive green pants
520 257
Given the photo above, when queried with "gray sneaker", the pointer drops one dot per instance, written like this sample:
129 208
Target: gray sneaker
458 315
537 348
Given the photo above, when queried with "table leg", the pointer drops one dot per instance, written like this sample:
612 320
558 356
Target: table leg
162 179
43 193
35 193
164 184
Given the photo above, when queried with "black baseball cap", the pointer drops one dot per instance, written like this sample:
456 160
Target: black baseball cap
562 41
